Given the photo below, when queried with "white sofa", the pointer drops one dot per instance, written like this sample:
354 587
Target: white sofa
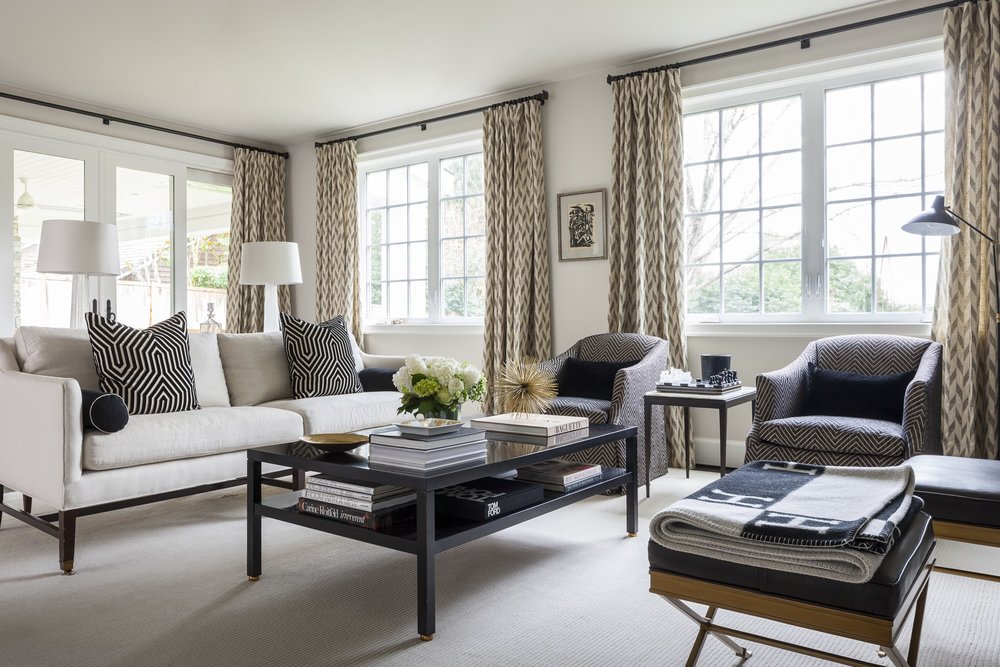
245 395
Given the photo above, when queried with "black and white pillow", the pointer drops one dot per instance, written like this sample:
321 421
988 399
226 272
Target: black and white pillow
320 358
150 369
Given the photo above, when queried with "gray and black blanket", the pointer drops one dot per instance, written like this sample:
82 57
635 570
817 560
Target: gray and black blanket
824 521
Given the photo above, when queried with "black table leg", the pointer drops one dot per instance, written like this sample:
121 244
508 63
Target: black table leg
723 416
684 442
425 565
647 418
253 520
632 487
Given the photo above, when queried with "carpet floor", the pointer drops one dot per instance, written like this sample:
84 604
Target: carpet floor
165 584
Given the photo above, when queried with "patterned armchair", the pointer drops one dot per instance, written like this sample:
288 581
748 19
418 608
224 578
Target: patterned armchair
625 406
780 431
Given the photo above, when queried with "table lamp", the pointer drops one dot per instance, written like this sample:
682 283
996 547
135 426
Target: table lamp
79 248
270 263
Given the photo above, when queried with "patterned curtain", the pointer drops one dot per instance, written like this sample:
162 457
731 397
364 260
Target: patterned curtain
258 215
517 323
646 246
338 276
964 311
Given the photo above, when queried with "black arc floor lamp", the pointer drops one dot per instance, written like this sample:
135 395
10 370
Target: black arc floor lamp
940 220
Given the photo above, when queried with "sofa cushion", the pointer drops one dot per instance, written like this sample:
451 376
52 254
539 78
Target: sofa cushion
844 394
596 410
209 379
105 412
178 435
377 379
149 368
62 353
343 413
255 367
590 379
320 357
8 360
835 434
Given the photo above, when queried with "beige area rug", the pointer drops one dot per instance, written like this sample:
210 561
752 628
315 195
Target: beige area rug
165 584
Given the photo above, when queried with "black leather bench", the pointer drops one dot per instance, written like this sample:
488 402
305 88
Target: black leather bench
963 497
873 612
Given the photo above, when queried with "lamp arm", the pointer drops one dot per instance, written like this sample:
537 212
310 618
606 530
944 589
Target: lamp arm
972 226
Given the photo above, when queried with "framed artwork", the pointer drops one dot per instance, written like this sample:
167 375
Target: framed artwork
583 225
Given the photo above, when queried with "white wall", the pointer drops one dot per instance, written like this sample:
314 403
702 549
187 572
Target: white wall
577 123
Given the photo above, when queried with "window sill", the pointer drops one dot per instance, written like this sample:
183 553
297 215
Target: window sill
805 329
424 329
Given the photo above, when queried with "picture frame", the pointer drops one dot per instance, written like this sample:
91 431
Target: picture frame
583 225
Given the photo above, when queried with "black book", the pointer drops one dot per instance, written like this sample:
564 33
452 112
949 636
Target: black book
487 498
373 520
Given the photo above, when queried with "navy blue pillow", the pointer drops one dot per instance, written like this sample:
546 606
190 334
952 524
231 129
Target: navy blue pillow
589 379
843 394
377 379
105 412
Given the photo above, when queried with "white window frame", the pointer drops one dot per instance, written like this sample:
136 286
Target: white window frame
811 87
101 154
431 152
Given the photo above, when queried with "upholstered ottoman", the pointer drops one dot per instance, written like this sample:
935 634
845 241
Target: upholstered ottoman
873 612
963 497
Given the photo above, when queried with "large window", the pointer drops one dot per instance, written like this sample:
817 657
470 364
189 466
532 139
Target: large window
794 202
424 236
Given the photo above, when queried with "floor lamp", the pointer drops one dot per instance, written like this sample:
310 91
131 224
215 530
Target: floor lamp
79 248
940 220
270 263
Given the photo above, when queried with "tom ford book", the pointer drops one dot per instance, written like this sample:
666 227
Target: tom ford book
486 498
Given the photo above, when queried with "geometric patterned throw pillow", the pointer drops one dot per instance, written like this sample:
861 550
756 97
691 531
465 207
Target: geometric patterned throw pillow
320 357
150 369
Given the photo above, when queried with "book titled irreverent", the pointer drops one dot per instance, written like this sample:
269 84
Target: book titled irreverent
531 424
487 498
373 520
558 471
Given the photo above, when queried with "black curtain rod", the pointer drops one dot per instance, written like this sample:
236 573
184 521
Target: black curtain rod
802 40
422 124
107 119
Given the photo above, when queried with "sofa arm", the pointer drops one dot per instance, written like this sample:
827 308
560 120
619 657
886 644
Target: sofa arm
41 440
781 393
632 383
922 405
382 361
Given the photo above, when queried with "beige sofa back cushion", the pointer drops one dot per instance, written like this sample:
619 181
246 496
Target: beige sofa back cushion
255 366
8 362
209 380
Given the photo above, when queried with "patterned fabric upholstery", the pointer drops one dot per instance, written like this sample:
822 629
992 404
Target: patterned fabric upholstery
780 432
625 407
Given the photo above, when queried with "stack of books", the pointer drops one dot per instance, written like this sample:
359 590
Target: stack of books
526 423
560 475
390 447
375 506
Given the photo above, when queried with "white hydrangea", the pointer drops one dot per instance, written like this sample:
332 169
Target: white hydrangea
470 375
416 364
402 379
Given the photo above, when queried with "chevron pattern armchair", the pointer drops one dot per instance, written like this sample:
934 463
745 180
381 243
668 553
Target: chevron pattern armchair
782 432
625 406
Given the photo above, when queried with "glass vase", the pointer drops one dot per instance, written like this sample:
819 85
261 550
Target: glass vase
444 412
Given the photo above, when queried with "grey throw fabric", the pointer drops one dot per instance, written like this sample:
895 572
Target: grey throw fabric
518 319
963 313
647 217
338 278
258 215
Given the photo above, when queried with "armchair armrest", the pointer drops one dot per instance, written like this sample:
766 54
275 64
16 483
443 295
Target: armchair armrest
633 382
922 405
41 441
382 361
781 393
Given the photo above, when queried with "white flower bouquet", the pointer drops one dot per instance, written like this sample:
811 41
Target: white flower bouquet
437 386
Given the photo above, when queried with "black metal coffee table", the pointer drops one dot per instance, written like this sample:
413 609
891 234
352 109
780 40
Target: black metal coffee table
431 534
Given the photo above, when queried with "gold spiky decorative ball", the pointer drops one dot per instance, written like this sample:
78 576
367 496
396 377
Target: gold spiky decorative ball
525 386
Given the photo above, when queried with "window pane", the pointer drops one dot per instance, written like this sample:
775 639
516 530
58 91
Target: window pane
474 174
418 260
703 289
376 226
934 101
452 217
740 236
849 172
376 271
702 238
783 287
209 208
849 229
740 131
397 261
782 233
850 286
418 298
452 257
418 182
376 301
742 288
418 222
701 137
398 299
375 189
895 288
397 186
934 162
897 107
781 125
476 297
930 281
701 186
475 220
848 114
452 177
454 297
740 184
475 256
45 187
897 166
890 214
782 176
145 219
397 224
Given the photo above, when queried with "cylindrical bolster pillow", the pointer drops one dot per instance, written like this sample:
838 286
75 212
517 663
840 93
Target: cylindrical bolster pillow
105 412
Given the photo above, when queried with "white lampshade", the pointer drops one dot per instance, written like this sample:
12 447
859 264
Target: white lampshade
270 263
78 247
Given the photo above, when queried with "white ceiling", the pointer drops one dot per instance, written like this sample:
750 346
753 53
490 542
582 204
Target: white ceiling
283 72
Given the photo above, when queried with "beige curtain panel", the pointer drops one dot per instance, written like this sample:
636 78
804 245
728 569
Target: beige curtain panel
338 269
646 246
964 310
518 319
258 215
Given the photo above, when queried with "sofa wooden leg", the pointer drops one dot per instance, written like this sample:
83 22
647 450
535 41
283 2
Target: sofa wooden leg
26 503
67 541
1 502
